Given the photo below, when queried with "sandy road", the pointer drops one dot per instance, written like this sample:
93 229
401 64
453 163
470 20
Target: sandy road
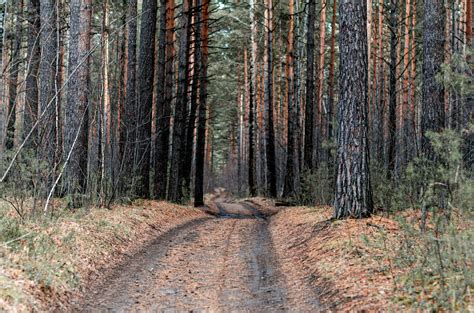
223 264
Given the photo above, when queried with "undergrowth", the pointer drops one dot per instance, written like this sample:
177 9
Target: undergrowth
434 253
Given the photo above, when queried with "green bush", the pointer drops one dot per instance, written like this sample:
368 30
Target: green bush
317 187
437 244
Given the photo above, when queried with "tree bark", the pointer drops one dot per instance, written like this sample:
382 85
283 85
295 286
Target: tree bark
309 111
331 80
47 76
146 66
433 114
252 170
165 94
175 193
201 130
353 190
129 133
76 113
320 127
392 106
292 183
33 59
191 127
269 127
14 71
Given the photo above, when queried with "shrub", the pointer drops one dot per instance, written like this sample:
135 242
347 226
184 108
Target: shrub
436 251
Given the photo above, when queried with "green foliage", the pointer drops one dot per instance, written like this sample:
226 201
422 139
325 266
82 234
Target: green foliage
44 267
440 275
24 184
317 186
9 227
436 252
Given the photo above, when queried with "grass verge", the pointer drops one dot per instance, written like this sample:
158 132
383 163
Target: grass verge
44 261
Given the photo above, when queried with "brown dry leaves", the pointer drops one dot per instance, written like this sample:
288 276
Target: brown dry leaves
333 259
88 245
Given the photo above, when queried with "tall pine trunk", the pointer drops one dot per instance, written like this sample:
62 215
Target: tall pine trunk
46 82
129 134
201 129
309 112
269 127
146 66
164 97
433 114
252 170
76 112
292 183
175 193
392 105
353 190
14 71
33 59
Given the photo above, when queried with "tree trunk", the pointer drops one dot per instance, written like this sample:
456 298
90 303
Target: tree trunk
47 75
33 59
269 128
106 119
191 127
433 114
320 135
175 193
4 105
292 184
252 103
14 71
164 97
353 190
201 129
130 107
146 66
392 106
468 22
309 112
331 81
76 113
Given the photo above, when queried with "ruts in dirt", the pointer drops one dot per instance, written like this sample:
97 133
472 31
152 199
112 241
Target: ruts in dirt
225 264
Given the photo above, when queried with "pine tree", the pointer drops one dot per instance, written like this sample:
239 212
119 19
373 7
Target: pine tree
353 190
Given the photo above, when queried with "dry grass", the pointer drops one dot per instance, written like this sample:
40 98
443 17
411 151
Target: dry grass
358 265
51 260
333 257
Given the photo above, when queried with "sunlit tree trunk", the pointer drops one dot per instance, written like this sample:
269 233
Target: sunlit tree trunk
320 127
106 119
331 80
252 103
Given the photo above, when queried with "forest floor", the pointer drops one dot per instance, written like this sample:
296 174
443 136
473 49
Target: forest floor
236 255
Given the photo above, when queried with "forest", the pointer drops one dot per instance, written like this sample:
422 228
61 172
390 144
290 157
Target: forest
287 127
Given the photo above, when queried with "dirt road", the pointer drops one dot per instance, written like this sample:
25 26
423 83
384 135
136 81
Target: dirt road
225 264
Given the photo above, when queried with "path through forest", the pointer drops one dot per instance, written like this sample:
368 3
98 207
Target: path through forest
213 264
